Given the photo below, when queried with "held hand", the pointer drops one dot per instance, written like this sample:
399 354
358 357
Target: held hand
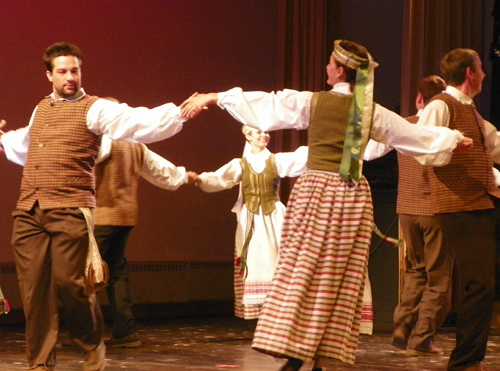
193 177
196 103
464 146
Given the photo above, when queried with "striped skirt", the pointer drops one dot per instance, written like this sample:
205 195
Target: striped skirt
315 301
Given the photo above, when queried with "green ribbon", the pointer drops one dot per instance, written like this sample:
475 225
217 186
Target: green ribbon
349 165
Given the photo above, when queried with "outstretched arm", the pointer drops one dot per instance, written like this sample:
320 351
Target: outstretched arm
286 109
161 172
196 103
429 145
14 144
226 177
292 164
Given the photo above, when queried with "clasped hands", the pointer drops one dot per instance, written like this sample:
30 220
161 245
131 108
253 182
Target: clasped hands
464 146
196 103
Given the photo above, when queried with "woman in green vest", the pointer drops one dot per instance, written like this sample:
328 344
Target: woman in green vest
259 214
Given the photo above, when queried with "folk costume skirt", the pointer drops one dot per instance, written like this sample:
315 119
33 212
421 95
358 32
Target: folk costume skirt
314 305
250 288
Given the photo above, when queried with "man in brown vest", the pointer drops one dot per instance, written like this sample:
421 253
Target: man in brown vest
116 214
424 298
463 195
51 236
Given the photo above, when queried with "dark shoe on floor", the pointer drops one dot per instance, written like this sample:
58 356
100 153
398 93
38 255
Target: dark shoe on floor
130 341
477 367
400 337
41 368
432 350
95 360
293 364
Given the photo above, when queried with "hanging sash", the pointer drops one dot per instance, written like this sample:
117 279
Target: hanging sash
241 261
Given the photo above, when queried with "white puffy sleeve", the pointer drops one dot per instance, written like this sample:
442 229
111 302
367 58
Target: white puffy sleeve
225 177
286 109
292 164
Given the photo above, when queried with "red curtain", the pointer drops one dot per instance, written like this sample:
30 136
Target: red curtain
303 54
431 28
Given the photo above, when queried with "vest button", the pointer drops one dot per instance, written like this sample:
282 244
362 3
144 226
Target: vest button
40 145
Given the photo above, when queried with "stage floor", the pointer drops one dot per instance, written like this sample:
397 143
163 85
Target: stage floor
223 343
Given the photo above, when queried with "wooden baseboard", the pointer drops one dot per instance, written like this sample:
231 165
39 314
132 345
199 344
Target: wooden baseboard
203 308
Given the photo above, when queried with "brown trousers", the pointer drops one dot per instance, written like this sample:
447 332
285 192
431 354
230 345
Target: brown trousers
425 299
50 250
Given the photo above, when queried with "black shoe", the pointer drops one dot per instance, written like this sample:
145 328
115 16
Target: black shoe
400 337
130 341
431 350
293 364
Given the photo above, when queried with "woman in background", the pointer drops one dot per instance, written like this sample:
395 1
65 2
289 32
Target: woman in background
259 212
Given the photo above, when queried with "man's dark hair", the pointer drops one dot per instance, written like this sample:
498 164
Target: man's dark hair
455 63
60 49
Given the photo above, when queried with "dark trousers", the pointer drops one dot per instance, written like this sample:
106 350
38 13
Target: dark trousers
427 280
112 241
50 250
470 237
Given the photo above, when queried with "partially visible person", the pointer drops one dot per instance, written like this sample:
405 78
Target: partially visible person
463 197
425 297
424 300
313 308
260 214
495 321
51 233
116 214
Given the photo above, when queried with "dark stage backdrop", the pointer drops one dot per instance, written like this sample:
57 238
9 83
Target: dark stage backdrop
147 53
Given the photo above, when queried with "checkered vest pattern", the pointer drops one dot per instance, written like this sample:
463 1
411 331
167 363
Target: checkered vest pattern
61 156
117 179
414 189
467 182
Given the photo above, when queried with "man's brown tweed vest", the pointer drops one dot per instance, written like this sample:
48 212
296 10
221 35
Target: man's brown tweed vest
61 156
117 180
260 188
414 189
467 182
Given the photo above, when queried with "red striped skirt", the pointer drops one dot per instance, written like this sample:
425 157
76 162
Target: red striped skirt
315 301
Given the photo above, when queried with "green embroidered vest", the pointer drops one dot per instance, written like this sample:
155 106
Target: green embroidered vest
260 188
